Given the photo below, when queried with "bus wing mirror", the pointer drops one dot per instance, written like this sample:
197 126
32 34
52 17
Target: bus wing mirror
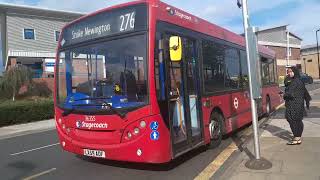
175 48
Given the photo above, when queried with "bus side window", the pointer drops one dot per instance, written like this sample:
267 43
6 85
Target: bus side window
160 70
213 66
244 70
232 60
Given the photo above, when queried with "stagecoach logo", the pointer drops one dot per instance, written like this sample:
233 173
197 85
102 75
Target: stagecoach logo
174 12
236 103
86 125
78 124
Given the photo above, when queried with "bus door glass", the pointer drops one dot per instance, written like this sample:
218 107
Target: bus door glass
192 86
177 102
184 98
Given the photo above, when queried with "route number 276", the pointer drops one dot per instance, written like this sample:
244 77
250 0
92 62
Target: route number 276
127 21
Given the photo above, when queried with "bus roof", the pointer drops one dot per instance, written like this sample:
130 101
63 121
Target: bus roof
184 19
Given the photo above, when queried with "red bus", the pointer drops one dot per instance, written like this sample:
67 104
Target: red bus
147 82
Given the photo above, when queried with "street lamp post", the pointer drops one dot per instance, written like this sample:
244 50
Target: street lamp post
258 163
305 65
318 51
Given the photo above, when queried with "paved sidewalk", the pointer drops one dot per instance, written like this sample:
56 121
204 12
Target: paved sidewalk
289 162
23 129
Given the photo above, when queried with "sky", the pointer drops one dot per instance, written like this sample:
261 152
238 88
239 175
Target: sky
301 15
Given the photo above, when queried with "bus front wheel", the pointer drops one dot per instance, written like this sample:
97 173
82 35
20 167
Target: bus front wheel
215 129
268 106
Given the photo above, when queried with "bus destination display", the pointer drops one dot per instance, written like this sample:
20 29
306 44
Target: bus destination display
106 24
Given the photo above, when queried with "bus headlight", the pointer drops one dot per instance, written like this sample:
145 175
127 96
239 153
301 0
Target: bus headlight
136 131
143 124
129 135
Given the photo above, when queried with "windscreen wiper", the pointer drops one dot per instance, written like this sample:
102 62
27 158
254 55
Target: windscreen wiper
67 112
121 115
93 98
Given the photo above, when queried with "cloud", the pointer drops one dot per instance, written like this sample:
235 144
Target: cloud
302 20
83 6
300 14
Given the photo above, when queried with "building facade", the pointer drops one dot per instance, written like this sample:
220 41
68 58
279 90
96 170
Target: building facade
310 61
29 36
277 39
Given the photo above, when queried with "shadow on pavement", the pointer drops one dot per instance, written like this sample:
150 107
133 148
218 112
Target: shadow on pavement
242 141
242 146
279 132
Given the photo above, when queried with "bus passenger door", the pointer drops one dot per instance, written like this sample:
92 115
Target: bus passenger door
184 99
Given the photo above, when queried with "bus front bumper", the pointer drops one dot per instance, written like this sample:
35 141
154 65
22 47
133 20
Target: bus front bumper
141 150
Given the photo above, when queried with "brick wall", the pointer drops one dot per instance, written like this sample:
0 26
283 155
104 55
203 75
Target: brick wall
281 52
48 81
281 71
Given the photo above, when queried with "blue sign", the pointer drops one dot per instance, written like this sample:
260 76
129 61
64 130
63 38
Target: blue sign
154 135
50 64
154 125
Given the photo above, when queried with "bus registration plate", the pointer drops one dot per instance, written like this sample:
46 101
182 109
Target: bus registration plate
94 153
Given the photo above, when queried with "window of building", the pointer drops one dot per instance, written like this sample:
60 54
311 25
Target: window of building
29 34
56 35
232 61
213 66
290 51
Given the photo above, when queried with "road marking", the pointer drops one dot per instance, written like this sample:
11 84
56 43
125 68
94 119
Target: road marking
14 154
278 107
209 171
39 174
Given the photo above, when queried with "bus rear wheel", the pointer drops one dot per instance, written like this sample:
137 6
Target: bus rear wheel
215 129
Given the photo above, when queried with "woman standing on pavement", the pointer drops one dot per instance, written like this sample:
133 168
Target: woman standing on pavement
294 97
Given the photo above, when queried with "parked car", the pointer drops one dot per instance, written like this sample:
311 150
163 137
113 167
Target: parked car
306 78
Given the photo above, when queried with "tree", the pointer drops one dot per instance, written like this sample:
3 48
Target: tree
14 79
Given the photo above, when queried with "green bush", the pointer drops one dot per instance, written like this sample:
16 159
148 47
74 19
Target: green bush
281 80
25 111
13 79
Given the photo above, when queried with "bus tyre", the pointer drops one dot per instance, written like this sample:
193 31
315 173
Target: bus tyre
215 129
268 106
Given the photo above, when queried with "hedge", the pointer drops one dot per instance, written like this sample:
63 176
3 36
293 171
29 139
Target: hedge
24 111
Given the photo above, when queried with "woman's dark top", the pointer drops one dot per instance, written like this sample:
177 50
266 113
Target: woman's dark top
294 97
